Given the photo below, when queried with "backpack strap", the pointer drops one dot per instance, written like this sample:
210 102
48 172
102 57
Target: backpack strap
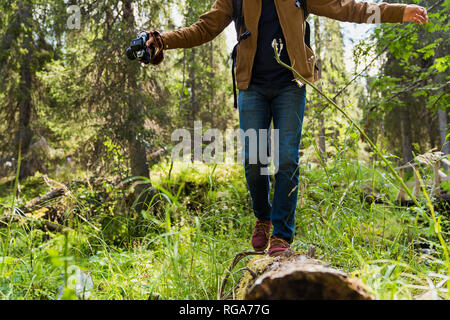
308 34
239 24
238 17
303 4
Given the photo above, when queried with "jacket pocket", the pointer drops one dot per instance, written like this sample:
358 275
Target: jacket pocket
312 62
310 56
310 59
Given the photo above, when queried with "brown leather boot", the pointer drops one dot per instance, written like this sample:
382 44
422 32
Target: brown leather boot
261 235
277 246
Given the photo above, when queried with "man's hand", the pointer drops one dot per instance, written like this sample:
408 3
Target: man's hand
155 42
415 14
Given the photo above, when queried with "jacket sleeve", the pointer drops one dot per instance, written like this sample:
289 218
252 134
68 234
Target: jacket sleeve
359 12
208 26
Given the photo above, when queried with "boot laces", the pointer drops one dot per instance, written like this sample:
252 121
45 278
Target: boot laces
261 228
275 241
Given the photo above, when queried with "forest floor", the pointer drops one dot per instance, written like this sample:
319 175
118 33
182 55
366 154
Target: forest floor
183 245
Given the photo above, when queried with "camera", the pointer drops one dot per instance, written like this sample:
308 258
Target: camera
138 50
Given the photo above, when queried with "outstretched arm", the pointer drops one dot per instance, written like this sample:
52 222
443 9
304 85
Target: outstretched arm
208 26
366 12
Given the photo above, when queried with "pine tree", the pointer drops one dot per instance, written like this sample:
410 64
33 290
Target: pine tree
24 51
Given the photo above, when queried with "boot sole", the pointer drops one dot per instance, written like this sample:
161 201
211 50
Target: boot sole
260 249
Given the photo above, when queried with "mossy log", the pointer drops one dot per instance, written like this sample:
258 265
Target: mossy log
297 276
43 208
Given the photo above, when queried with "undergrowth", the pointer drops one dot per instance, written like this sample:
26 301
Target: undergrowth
200 218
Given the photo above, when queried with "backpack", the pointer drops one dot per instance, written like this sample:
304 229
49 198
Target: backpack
239 24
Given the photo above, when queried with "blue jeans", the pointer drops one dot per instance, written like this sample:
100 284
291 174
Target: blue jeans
286 107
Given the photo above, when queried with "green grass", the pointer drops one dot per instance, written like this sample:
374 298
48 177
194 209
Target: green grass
182 247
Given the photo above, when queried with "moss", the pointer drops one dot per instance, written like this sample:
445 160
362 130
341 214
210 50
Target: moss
259 265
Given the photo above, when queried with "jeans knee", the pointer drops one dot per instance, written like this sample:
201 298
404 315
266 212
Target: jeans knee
288 164
253 170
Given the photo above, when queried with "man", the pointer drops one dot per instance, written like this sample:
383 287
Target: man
268 93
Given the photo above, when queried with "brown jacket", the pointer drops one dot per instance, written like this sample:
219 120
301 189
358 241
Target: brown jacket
292 23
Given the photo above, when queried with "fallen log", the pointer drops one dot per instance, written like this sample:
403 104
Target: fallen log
296 276
4 222
42 200
22 214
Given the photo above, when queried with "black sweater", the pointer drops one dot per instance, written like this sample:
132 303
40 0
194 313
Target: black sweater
266 71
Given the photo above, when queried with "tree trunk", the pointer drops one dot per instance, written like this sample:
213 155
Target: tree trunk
430 127
297 277
192 113
24 133
138 157
441 51
406 135
443 130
